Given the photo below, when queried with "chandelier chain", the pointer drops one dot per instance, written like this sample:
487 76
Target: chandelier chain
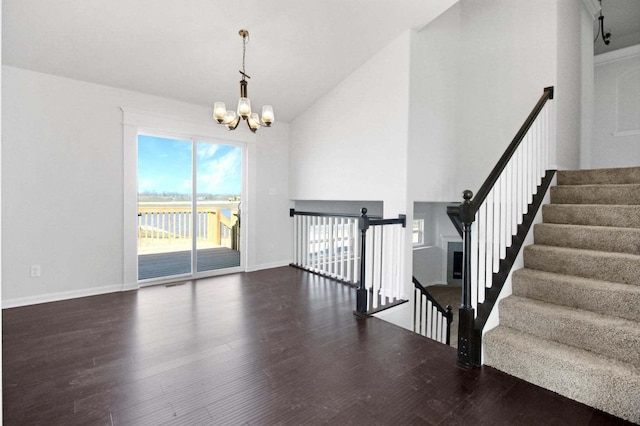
244 51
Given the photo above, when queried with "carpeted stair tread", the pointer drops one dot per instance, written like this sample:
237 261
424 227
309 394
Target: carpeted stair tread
604 297
625 194
599 176
572 323
606 335
616 267
592 214
603 238
598 381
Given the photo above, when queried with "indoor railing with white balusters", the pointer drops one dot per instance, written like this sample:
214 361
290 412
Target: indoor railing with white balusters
430 319
359 250
495 221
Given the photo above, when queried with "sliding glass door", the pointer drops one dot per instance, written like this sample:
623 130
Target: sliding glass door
218 203
189 205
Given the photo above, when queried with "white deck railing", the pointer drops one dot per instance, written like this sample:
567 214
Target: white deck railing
166 226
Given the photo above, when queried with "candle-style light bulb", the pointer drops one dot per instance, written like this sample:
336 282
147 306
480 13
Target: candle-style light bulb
267 115
219 111
244 107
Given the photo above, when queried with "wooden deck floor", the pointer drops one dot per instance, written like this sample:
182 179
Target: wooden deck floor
179 262
272 347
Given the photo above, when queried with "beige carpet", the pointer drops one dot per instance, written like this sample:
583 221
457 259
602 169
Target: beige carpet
572 324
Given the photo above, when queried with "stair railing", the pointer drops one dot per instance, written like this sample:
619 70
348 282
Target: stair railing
381 251
430 319
495 222
359 250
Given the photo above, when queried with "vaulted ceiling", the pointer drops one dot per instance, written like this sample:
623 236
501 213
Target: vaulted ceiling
190 50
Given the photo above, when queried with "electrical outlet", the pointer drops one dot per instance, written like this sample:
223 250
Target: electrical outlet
35 271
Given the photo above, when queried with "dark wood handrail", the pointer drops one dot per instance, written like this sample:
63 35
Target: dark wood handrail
488 184
469 327
294 212
401 220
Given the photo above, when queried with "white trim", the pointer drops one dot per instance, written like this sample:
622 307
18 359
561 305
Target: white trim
176 279
152 121
617 55
64 295
269 265
136 122
626 133
130 206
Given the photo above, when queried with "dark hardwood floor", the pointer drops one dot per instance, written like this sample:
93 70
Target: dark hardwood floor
272 347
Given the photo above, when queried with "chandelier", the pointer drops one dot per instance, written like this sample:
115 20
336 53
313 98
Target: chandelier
231 118
606 37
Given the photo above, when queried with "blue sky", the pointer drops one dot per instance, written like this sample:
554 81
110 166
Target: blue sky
164 165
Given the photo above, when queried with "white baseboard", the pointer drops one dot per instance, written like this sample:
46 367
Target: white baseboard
270 265
63 295
94 291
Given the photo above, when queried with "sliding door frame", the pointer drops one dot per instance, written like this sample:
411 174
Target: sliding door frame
136 123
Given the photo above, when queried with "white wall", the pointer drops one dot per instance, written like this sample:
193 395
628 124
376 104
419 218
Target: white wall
62 181
429 260
1 211
507 56
351 144
271 232
476 73
587 89
569 87
613 145
433 131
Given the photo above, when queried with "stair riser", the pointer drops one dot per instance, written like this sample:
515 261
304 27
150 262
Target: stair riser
612 337
596 194
595 296
607 387
620 268
596 215
617 240
601 176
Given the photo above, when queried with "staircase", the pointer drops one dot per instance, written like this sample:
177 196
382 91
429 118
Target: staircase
572 324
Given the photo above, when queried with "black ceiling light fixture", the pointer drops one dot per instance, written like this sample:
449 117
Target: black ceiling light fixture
606 37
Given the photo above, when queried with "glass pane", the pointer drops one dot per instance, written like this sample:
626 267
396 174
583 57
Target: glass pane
418 231
218 185
164 207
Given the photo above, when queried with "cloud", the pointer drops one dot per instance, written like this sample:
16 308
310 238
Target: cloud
145 184
206 151
222 175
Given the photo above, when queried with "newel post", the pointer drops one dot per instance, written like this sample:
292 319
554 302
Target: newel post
466 344
361 293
